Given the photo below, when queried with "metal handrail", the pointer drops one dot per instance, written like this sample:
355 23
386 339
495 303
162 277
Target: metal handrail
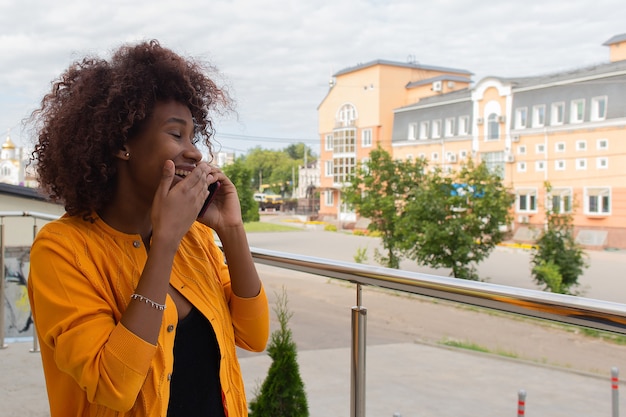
596 314
35 216
580 311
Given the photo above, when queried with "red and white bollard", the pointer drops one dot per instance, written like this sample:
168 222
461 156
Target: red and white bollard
521 403
615 391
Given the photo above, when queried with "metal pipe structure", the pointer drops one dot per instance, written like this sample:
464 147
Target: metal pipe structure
359 327
569 309
3 214
595 314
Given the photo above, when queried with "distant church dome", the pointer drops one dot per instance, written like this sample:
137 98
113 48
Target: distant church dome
8 144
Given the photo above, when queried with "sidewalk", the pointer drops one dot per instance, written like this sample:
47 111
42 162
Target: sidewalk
410 379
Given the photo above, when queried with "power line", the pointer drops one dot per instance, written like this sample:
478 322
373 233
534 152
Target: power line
265 138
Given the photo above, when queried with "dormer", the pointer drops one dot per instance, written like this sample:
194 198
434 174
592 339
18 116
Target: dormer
617 47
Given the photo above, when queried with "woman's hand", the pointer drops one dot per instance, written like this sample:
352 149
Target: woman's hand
176 207
225 210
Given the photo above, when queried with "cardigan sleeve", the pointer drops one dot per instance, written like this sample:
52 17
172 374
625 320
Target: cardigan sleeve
77 319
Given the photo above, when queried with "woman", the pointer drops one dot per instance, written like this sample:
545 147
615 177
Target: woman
137 310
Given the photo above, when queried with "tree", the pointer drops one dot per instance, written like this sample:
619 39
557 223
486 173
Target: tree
242 178
378 192
558 260
454 220
282 393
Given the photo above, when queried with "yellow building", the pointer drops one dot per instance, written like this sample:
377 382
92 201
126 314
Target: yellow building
357 115
566 129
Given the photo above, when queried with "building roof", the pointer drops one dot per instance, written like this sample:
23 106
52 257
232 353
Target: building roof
571 75
444 77
458 95
615 39
414 65
19 191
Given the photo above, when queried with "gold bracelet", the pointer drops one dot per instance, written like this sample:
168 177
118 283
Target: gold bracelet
146 300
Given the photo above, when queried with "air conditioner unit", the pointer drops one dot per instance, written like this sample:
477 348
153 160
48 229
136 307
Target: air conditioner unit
451 158
480 120
437 86
501 119
510 158
515 138
523 219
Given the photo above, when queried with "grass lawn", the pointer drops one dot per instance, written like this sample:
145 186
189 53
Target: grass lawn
268 227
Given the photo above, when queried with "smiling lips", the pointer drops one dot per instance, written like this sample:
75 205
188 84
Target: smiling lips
182 173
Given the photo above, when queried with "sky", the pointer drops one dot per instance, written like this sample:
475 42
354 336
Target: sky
277 58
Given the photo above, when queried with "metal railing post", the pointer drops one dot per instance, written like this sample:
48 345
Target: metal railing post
35 348
2 278
359 326
615 391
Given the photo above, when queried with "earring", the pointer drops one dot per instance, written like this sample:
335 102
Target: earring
127 154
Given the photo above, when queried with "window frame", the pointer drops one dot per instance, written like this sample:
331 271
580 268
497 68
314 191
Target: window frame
604 198
577 111
595 109
521 117
539 115
557 117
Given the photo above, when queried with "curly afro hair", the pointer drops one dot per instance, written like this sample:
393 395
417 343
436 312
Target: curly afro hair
97 105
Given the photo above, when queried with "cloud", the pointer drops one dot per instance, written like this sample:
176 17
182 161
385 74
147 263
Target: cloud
278 57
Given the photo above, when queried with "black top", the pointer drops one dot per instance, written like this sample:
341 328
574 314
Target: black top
195 389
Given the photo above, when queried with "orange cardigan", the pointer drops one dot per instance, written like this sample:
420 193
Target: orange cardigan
82 275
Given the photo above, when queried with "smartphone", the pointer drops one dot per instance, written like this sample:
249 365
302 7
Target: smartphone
212 191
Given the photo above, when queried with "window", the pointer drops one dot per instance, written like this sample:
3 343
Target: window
344 141
409 157
463 125
493 127
328 143
540 166
557 113
365 165
559 165
436 128
463 154
346 116
412 131
602 144
521 116
527 200
521 150
328 168
581 145
559 147
494 162
561 199
343 169
597 200
577 111
521 167
602 163
539 115
540 148
366 138
581 164
434 156
449 127
424 128
329 198
598 108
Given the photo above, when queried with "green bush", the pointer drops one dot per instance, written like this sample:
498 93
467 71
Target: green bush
282 393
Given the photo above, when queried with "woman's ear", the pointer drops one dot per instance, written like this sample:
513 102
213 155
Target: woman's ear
123 154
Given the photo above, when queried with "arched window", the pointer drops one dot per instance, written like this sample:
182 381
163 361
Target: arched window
493 127
346 115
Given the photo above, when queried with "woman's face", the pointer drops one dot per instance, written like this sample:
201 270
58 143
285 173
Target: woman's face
167 134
